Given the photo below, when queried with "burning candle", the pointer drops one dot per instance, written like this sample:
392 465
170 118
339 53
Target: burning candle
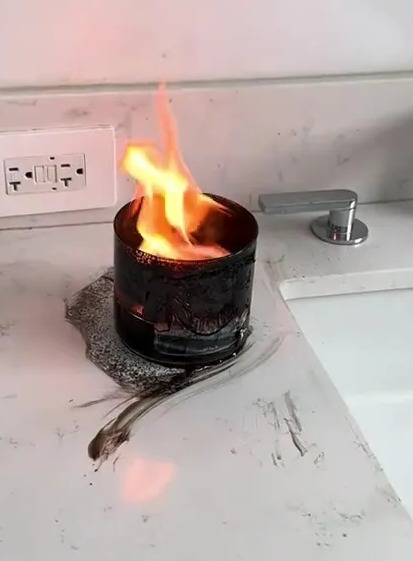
184 260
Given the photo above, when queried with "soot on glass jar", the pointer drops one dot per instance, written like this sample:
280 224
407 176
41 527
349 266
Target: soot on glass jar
185 313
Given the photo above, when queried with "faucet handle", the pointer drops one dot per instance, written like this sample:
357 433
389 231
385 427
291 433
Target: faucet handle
339 227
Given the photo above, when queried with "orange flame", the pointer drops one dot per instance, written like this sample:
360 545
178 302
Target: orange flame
173 207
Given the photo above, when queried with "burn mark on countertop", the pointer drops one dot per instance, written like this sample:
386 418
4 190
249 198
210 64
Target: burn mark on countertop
146 385
361 444
389 494
14 443
319 459
331 524
351 518
61 433
295 438
294 424
270 414
62 534
282 414
292 410
271 411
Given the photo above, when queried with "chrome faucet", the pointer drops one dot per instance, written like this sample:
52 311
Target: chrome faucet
339 227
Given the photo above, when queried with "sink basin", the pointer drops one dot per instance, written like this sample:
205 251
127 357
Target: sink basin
364 342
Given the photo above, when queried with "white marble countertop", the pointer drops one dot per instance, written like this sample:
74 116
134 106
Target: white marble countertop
217 476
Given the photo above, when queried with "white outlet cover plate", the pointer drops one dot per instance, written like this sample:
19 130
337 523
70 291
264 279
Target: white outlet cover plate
98 146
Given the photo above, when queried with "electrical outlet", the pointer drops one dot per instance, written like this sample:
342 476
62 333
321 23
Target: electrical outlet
57 170
45 174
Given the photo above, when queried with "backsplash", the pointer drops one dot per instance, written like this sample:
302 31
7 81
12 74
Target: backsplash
247 137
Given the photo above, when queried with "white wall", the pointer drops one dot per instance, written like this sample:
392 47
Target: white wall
63 42
238 138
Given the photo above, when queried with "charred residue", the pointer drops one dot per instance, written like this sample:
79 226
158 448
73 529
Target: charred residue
147 384
282 415
185 312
